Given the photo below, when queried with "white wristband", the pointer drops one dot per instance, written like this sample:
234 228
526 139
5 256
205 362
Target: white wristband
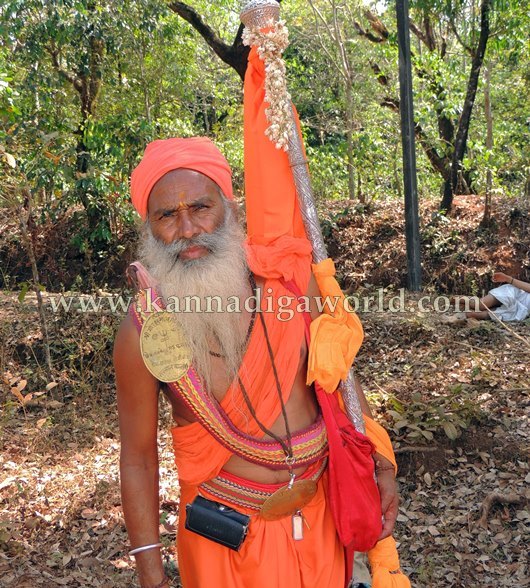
144 548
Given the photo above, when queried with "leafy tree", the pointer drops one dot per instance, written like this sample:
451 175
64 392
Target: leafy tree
84 85
432 23
63 46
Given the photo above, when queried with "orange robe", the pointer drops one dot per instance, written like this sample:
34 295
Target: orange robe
269 556
277 249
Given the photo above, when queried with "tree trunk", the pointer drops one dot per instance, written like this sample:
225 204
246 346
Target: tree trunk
465 119
235 55
24 214
486 219
88 87
349 141
360 192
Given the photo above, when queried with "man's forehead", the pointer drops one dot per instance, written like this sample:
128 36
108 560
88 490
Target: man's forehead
187 179
183 185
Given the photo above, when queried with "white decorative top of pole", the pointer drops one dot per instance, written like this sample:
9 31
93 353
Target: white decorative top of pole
265 31
259 13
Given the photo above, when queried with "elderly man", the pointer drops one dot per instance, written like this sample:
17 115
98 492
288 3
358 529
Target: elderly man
250 442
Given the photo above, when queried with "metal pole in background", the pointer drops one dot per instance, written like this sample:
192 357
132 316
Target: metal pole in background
412 220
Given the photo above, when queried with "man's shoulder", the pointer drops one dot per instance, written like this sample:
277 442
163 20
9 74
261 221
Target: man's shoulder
127 339
128 361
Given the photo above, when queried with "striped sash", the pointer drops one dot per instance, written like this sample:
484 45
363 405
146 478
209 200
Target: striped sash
309 445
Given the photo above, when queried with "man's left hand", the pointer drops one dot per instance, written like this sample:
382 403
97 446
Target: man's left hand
389 497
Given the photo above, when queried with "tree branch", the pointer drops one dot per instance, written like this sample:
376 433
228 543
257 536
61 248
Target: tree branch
498 498
381 77
340 45
429 33
331 57
97 51
376 24
427 36
418 32
459 38
235 55
68 76
370 36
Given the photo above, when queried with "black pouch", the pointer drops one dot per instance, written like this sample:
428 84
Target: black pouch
217 522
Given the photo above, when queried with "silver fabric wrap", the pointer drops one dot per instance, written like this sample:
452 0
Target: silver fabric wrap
352 403
304 192
259 13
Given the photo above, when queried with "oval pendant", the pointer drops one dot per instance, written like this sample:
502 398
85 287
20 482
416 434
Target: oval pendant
288 500
164 348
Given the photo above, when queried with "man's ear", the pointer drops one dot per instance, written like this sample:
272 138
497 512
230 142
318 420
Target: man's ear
238 210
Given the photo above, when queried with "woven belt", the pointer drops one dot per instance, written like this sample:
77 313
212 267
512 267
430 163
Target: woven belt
240 492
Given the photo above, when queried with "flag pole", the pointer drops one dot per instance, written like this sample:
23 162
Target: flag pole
257 15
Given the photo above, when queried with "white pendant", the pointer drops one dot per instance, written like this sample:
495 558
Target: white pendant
298 526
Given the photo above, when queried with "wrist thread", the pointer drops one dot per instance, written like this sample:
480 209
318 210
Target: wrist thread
165 580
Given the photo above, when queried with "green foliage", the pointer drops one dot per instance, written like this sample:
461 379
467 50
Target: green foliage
437 240
150 75
422 418
331 223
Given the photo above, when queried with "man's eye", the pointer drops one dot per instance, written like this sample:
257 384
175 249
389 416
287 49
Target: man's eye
197 207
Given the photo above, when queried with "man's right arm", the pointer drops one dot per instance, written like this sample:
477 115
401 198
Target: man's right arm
138 416
502 277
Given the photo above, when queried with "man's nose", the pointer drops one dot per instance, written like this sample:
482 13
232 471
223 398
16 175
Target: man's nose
186 228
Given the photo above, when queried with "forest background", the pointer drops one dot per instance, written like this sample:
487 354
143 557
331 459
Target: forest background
85 85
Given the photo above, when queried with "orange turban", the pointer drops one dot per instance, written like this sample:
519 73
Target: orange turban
165 155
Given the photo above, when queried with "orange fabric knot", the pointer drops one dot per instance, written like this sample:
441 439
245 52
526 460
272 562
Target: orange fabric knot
284 257
384 561
336 335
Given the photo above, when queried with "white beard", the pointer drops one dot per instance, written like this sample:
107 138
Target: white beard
223 272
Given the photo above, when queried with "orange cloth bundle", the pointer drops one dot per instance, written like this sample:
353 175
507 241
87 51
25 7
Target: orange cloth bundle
336 336
165 155
384 562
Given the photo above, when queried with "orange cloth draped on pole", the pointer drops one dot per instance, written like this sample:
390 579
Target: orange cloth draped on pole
273 211
270 193
278 250
336 335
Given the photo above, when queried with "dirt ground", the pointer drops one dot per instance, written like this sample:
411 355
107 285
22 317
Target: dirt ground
454 399
60 517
